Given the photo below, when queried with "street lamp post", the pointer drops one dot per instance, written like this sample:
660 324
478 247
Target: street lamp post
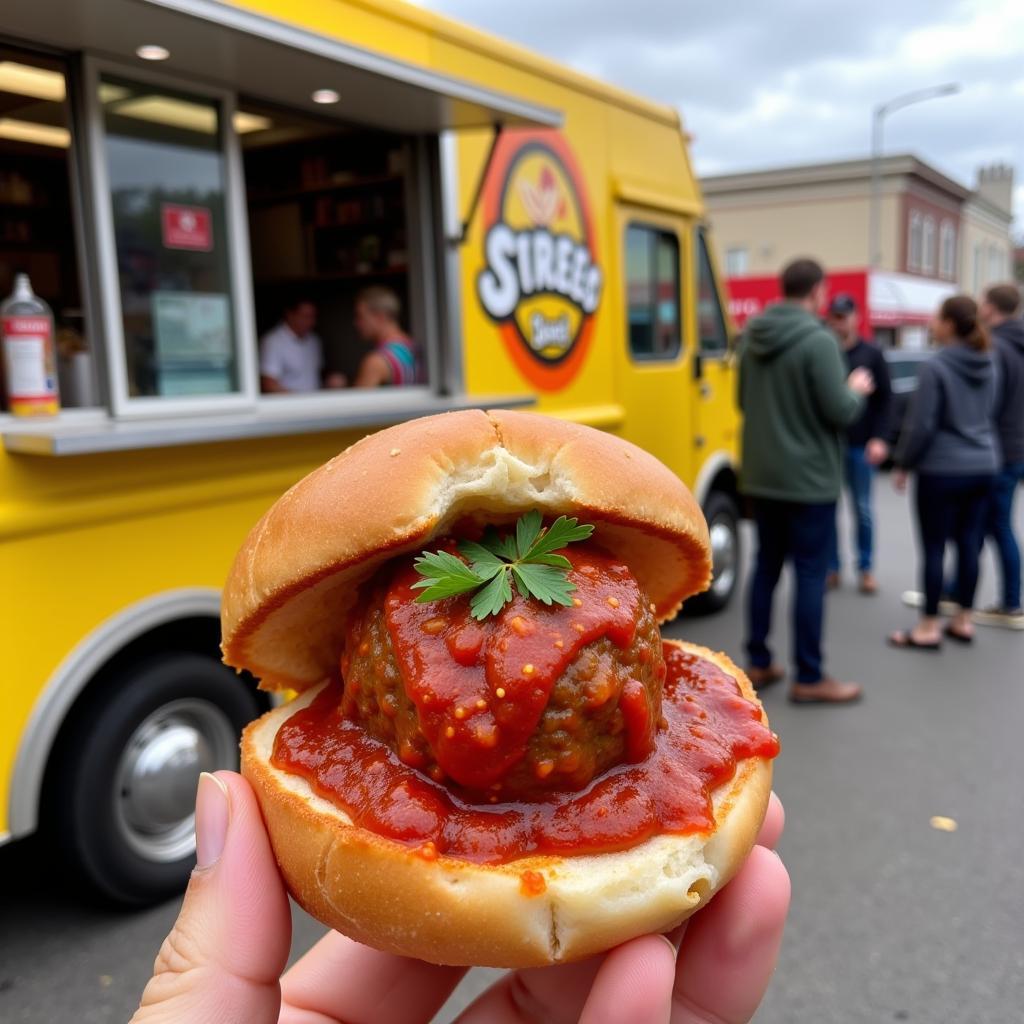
878 117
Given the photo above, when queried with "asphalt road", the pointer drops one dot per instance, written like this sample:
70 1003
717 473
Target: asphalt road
892 920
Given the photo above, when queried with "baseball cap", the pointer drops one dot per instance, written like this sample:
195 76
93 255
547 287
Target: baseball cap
842 305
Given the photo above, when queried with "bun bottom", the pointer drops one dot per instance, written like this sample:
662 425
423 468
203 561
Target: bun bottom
450 911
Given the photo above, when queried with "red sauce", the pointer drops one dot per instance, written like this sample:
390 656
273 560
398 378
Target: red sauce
710 726
480 688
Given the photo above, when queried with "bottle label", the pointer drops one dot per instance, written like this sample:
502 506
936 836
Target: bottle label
29 362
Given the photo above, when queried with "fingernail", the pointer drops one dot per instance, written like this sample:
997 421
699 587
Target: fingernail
671 945
211 820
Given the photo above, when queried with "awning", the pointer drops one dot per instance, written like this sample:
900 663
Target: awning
264 57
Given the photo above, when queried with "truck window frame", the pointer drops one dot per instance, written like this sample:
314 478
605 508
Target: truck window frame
704 259
429 283
122 405
655 231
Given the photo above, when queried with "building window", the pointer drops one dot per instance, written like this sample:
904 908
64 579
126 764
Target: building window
928 246
947 250
652 289
996 264
737 262
976 271
914 242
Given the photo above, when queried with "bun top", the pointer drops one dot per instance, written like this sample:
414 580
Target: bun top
297 574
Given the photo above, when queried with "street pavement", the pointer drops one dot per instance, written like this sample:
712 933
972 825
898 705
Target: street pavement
892 919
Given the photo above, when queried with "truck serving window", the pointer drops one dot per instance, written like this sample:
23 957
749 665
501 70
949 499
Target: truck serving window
38 229
330 241
652 289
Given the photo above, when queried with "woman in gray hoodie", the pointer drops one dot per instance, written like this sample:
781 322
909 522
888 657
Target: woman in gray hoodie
948 440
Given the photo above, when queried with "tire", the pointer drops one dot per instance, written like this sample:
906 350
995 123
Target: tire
723 518
122 792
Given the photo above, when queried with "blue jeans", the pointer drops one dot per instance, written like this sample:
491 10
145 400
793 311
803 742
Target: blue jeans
788 530
859 474
1000 528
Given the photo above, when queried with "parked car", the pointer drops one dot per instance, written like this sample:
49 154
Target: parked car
904 366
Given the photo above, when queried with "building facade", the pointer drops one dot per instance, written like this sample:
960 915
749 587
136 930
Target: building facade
935 236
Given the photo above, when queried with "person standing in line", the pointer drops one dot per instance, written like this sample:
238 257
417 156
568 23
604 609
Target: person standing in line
796 400
1000 313
865 443
949 441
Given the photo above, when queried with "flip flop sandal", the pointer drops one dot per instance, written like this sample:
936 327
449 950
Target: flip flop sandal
903 640
960 638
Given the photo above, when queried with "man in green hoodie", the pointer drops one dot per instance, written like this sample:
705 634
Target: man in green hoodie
796 401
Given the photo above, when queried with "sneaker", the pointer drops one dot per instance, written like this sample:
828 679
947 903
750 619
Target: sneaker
915 599
1004 618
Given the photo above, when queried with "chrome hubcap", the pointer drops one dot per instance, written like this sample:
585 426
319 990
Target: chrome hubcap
723 557
156 778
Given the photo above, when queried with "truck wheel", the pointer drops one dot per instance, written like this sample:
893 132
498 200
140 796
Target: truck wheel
724 526
124 787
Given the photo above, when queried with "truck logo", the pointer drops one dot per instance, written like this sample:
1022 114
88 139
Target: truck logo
541 282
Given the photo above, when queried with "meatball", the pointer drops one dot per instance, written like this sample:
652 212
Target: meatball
584 729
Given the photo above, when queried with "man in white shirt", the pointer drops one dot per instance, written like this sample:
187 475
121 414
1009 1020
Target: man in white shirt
292 355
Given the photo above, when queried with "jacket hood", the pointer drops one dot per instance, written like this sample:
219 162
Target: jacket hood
1012 331
778 328
974 368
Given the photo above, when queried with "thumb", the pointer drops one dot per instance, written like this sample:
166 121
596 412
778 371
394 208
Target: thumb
223 959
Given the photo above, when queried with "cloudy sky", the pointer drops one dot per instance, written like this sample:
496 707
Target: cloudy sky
762 84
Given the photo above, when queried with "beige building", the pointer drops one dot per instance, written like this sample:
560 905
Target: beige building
986 249
930 226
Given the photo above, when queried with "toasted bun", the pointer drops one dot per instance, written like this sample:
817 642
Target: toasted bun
450 911
392 492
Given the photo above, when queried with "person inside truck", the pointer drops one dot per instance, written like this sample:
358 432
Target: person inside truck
394 359
292 354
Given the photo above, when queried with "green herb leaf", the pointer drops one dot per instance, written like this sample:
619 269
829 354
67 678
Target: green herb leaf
502 546
444 576
561 532
527 531
492 598
544 582
485 563
525 558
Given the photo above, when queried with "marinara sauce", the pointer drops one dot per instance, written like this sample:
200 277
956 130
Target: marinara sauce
480 689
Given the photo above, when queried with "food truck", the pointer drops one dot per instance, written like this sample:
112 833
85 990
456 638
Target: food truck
174 176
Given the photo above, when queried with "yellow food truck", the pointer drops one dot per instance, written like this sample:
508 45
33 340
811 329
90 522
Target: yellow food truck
177 179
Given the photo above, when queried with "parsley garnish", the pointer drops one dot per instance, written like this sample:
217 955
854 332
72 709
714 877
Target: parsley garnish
526 560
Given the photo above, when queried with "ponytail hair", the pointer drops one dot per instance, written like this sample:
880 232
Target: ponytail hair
961 311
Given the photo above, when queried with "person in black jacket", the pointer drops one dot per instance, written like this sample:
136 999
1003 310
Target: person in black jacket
949 440
1000 311
865 439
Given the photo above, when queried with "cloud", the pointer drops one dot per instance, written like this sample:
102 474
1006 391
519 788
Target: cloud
769 84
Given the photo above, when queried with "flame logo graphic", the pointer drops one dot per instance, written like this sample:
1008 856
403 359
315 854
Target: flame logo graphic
544 200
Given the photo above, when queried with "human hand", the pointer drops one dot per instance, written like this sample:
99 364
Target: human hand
899 480
222 962
336 380
876 452
861 381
